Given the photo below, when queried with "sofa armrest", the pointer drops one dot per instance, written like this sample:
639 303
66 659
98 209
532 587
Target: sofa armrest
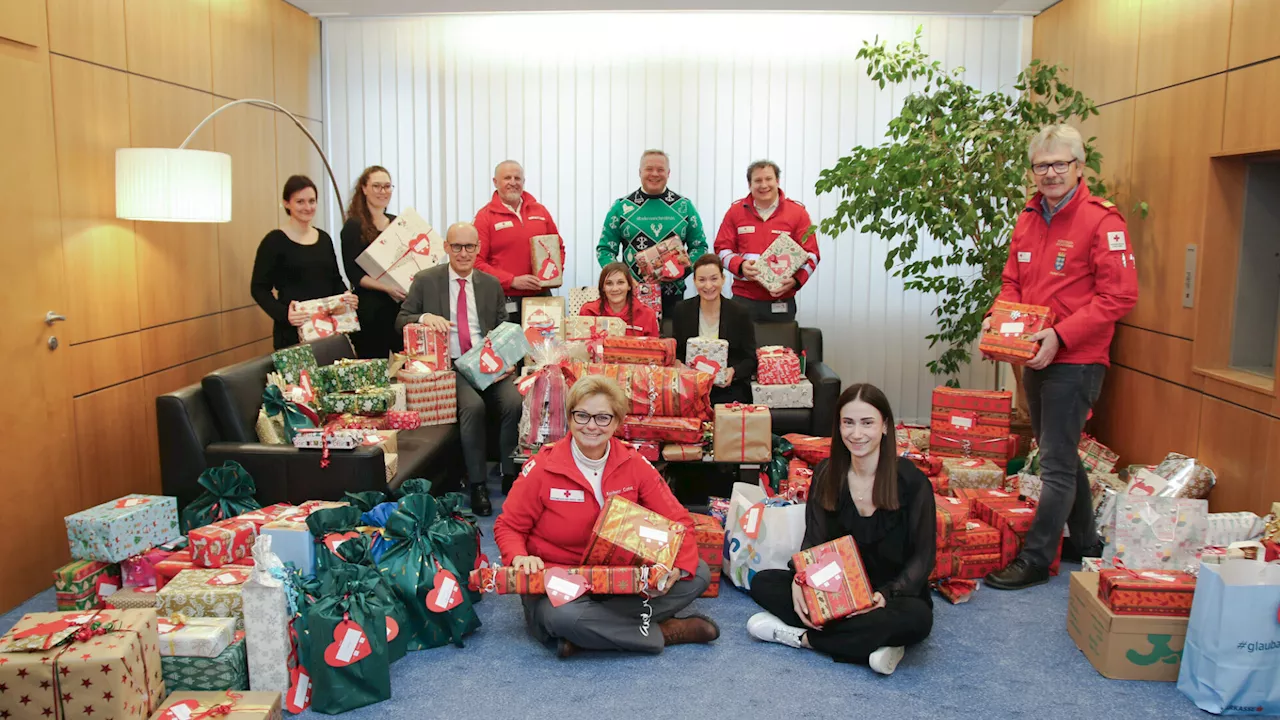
284 473
811 343
826 393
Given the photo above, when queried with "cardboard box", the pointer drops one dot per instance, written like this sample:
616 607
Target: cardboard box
1123 647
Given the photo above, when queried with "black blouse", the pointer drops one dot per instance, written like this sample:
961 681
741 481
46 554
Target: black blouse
295 272
352 245
898 547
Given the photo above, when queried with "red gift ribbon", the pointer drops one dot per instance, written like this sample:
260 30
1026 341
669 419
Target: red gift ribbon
422 237
85 633
745 409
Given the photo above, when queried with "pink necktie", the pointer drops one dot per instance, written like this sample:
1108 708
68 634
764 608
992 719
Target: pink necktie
460 317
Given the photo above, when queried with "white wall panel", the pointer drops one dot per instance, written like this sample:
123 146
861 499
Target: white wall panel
439 100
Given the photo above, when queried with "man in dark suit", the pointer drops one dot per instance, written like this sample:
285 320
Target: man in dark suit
467 303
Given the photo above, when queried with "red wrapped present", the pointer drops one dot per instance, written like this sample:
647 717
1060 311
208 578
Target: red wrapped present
169 568
967 410
140 570
710 535
941 484
348 421
433 395
1011 329
951 516
222 543
601 580
403 420
995 449
690 452
648 449
832 580
1013 520
650 295
1147 592
972 495
943 564
924 462
638 351
1271 550
628 534
809 448
271 513
795 486
977 535
665 391
976 567
430 347
777 365
686 430
956 590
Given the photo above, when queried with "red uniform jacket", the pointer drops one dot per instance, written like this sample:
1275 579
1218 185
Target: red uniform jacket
505 250
532 523
743 236
1081 266
644 322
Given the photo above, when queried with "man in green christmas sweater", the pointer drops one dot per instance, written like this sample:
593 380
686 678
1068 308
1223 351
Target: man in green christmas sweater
648 216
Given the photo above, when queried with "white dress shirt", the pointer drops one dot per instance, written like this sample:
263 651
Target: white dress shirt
473 316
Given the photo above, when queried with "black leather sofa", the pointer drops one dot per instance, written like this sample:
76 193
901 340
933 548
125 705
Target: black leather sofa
206 424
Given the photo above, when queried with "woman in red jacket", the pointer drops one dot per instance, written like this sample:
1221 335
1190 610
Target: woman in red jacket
547 520
617 299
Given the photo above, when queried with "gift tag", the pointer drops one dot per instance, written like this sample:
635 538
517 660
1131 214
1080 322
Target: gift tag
393 628
1147 483
179 710
652 536
420 245
779 307
965 420
333 541
826 572
490 362
972 463
549 270
125 503
230 577
482 561
323 324
1012 328
1158 576
446 594
751 520
562 587
107 588
779 264
704 364
350 645
298 698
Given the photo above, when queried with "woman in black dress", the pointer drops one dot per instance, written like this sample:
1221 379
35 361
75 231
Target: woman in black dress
711 315
380 300
295 262
887 506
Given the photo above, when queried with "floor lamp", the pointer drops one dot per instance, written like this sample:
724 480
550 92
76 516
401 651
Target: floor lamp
168 185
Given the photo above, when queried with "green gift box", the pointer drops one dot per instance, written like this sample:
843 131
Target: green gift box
228 671
366 401
352 375
292 362
82 576
120 529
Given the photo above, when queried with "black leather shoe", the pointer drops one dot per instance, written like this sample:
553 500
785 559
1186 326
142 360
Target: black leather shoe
1018 575
480 504
507 482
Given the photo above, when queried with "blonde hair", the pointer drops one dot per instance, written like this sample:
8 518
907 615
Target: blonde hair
592 385
1057 136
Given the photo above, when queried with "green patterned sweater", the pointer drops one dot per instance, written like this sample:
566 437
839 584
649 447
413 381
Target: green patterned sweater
639 221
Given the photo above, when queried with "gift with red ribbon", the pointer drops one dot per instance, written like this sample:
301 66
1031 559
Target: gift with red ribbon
832 579
408 246
666 261
1008 338
224 705
1012 517
206 593
951 515
548 265
599 579
639 351
795 486
781 260
662 391
681 430
326 316
222 543
271 513
743 433
84 584
627 534
777 365
812 449
971 423
585 336
688 452
430 347
1166 593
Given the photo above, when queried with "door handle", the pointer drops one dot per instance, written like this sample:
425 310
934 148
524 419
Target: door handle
52 317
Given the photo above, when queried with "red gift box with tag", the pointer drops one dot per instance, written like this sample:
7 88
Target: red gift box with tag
951 514
812 449
1147 592
795 486
832 580
601 580
1013 519
648 449
627 534
777 365
429 346
682 430
976 567
222 543
271 513
971 423
710 535
638 351
1011 328
977 537
168 568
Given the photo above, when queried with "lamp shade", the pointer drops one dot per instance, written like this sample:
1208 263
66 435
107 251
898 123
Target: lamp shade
168 185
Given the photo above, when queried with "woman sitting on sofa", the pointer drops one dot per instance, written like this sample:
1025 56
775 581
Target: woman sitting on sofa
711 315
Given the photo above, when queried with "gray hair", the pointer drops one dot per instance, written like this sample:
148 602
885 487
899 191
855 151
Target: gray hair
762 164
498 167
1057 137
655 151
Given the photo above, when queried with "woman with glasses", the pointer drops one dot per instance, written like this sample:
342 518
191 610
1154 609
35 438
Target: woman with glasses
380 300
547 520
711 315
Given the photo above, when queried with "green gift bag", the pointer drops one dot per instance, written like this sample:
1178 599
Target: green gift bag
228 491
296 417
366 500
346 673
331 521
461 533
413 564
356 556
414 486
777 468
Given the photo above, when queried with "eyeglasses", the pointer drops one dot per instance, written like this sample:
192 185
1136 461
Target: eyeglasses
582 418
468 248
382 187
1058 167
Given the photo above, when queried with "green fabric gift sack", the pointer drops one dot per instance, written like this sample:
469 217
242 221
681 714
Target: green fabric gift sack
366 500
228 492
413 564
461 533
776 469
343 680
331 521
414 486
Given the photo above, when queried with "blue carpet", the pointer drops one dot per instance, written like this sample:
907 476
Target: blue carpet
1001 655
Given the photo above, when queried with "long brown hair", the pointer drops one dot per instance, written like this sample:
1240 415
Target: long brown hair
608 270
828 485
359 206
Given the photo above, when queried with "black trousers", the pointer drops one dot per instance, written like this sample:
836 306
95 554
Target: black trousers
902 621
762 311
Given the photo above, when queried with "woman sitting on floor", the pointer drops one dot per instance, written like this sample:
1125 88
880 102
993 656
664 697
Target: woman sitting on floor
618 299
547 520
711 315
887 506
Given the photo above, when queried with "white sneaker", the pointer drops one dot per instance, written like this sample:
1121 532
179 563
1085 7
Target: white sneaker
767 627
885 660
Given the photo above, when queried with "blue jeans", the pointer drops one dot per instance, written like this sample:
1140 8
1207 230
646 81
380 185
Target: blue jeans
1059 398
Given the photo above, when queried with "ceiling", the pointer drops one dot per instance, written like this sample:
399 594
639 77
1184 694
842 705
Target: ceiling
375 8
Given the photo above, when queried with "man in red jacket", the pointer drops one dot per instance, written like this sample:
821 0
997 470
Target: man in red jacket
507 226
749 227
1070 252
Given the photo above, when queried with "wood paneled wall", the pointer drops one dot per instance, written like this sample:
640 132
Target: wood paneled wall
1177 81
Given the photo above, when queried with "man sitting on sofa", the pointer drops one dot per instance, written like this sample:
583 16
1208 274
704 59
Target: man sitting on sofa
468 304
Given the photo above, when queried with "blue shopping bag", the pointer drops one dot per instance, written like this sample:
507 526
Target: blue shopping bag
1231 658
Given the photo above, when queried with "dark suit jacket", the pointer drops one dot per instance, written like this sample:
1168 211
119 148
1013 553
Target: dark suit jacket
429 293
736 327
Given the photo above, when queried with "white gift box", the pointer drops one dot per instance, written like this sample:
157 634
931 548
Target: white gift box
408 246
318 438
195 637
795 395
402 399
1227 528
716 351
580 296
266 628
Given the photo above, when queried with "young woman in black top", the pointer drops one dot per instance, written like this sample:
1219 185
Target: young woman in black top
887 506
297 263
380 300
709 314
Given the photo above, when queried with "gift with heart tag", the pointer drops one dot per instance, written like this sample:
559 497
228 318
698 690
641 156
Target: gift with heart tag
408 246
494 357
347 652
627 534
781 260
832 580
225 705
122 528
709 355
663 262
326 316
547 261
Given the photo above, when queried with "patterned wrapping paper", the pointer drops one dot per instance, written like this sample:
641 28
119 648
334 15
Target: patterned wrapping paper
495 356
135 598
291 541
1012 326
743 433
650 295
977 537
326 316
777 365
366 401
279 511
663 262
79 577
348 421
675 452
542 321
854 592
1147 592
973 473
243 706
580 296
795 486
1272 531
604 580
408 246
708 355
69 681
930 465
974 495
682 430
222 543
1013 520
916 435
294 363
391 462
952 514
122 528
1176 476
229 670
334 439
944 561
961 410
1097 457
639 351
427 346
1029 486
964 445
195 637
103 585
1227 528
663 391
433 395
710 535
781 260
347 375
976 567
812 449
584 336
403 420
169 568
795 395
191 594
628 534
546 260
267 640
1158 533
649 449
941 484
270 430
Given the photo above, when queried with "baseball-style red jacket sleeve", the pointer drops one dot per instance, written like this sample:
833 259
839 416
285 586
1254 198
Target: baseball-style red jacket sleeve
727 239
810 244
1115 283
520 512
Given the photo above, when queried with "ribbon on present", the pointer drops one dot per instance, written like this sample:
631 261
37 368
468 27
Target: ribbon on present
296 416
736 406
229 491
196 711
420 245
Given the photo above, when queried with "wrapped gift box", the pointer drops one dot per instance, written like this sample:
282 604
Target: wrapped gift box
628 534
279 511
710 355
1097 457
941 484
976 567
662 391
743 433
952 514
542 321
673 452
961 410
347 375
433 395
639 351
326 316
83 584
319 438
297 365
595 329
366 401
1013 519
1227 528
240 706
222 543
1012 327
122 528
684 430
427 346
973 473
229 670
777 365
348 421
403 420
1272 530
603 580
781 260
795 395
798 481
710 535
829 562
650 295
928 464
1029 486
944 561
580 296
494 357
1176 476
648 449
195 637
812 449
266 626
1158 533
291 541
169 568
133 598
546 261
977 537
205 593
408 246
47 675
973 495
663 262
1147 592
916 435
944 443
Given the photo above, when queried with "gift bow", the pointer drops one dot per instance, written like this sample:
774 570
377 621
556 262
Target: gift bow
295 416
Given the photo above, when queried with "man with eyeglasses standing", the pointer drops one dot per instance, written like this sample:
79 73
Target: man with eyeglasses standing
507 226
458 299
1070 252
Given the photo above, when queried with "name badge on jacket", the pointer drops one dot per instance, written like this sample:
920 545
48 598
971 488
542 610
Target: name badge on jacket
743 230
1024 257
503 225
558 495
